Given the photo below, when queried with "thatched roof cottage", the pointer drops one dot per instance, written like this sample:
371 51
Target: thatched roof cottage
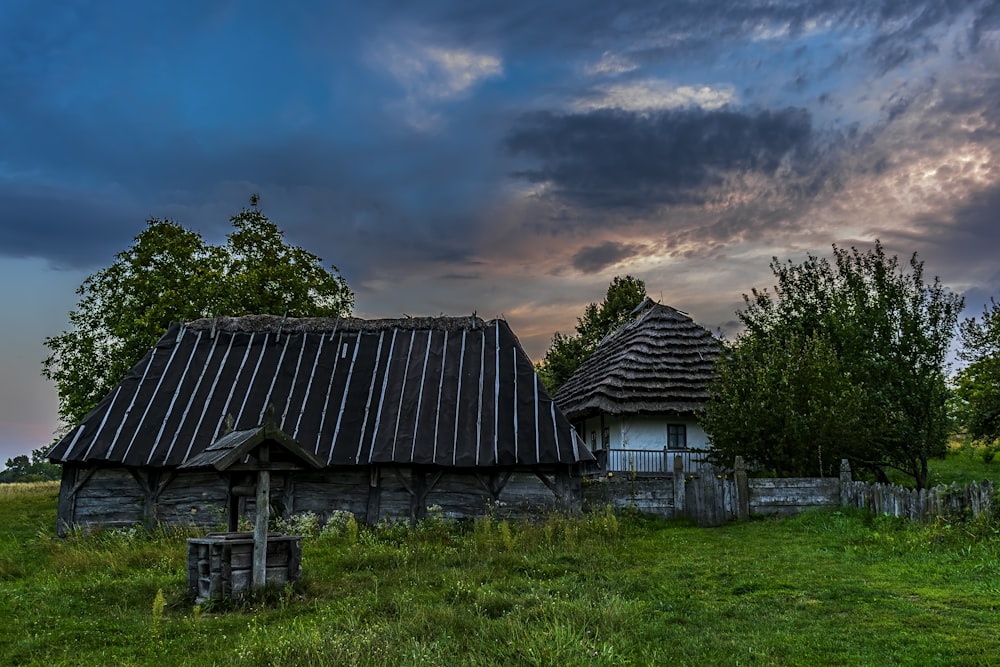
640 392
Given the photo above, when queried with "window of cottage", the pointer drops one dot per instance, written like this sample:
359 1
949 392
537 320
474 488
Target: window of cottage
676 436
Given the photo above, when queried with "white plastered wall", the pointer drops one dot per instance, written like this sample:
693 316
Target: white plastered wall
642 432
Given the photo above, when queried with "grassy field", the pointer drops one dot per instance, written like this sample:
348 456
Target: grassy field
821 589
964 464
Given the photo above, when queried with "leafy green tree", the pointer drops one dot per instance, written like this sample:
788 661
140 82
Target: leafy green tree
566 353
171 274
845 358
282 278
977 385
36 469
784 403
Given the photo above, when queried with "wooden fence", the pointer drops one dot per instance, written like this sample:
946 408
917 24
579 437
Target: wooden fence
948 502
712 497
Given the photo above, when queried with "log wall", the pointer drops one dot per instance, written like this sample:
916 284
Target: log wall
197 498
109 498
92 498
649 495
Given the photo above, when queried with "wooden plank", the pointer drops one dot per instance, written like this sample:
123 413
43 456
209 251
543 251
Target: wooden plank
742 489
793 483
260 526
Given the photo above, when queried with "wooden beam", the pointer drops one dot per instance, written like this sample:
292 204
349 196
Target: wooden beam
278 466
260 526
73 479
165 481
570 496
148 484
418 510
402 480
288 498
549 483
564 489
494 483
374 495
418 487
427 484
742 490
434 479
679 482
82 479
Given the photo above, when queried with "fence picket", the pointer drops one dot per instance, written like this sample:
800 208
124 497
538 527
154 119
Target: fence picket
923 505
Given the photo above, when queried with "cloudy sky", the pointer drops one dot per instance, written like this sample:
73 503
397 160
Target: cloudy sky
507 158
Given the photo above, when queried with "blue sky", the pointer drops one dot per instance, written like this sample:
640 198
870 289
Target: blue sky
506 157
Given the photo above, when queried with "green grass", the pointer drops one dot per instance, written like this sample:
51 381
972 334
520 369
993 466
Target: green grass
963 464
825 588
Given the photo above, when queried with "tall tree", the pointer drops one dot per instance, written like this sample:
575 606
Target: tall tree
171 274
566 353
785 403
977 385
36 469
856 346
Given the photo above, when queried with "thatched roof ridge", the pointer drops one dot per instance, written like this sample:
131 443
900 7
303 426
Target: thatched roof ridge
276 324
660 363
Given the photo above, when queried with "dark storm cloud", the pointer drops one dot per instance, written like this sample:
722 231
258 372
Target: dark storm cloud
966 237
90 210
899 30
71 229
613 158
592 259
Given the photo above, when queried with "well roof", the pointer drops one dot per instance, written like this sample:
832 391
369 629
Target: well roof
660 363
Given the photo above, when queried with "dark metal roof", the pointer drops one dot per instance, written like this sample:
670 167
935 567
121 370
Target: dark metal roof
457 392
661 363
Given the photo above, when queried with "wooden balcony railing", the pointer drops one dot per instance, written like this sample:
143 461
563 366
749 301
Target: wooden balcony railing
648 461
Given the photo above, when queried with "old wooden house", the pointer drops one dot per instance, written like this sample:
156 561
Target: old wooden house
636 399
380 418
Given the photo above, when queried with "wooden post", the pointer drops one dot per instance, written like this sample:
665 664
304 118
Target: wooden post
418 509
67 500
289 494
374 495
742 490
845 480
260 527
678 485
232 507
570 487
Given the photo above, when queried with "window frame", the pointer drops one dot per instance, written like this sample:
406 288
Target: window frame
677 433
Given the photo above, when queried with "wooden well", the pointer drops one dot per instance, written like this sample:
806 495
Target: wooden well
221 564
228 564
